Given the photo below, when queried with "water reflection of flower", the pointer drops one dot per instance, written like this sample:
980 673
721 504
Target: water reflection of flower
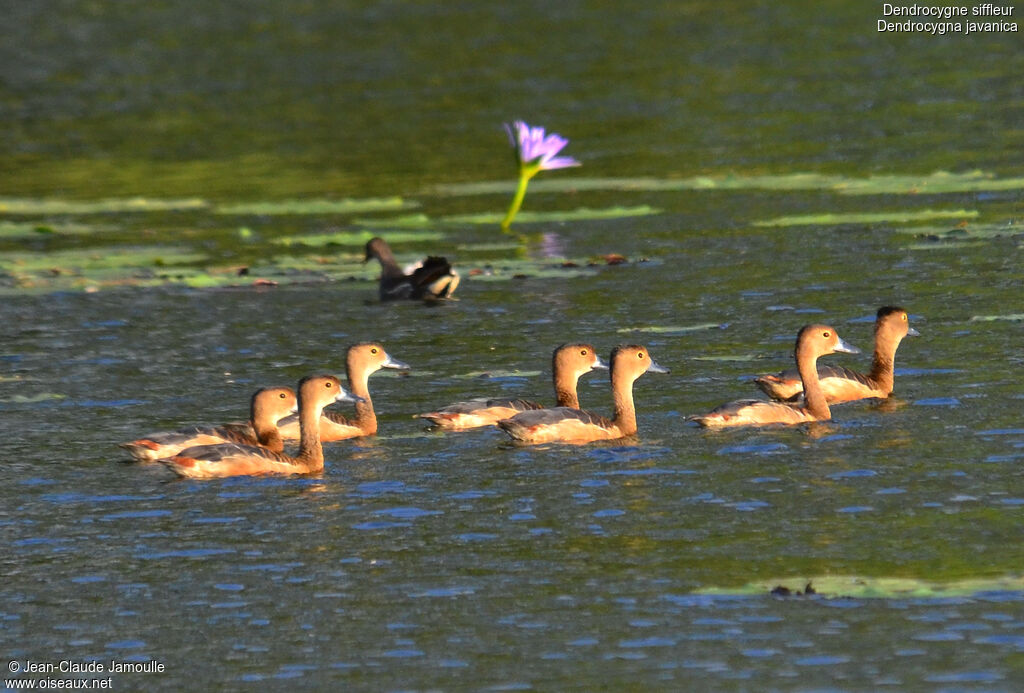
551 245
536 152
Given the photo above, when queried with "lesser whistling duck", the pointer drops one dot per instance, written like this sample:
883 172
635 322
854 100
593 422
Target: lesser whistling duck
842 384
230 459
568 363
812 341
570 425
267 406
361 361
433 279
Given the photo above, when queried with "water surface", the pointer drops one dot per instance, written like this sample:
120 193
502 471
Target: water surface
419 560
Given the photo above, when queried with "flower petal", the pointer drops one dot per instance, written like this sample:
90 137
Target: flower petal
559 162
534 147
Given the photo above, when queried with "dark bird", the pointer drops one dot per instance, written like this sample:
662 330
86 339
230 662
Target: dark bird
432 279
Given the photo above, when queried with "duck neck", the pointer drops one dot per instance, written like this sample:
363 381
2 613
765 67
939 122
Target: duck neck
311 452
267 434
358 382
883 361
622 398
814 398
565 388
388 264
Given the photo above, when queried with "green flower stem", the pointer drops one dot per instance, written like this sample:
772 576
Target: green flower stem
525 174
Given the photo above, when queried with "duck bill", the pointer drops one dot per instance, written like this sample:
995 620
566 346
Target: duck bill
598 364
346 396
395 363
911 332
653 367
844 346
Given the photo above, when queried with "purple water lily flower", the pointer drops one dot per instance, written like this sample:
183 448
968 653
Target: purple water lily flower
537 152
535 148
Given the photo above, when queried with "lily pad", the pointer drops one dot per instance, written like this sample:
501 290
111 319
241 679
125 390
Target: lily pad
32 399
355 238
896 184
875 587
934 183
497 373
672 330
18 229
527 268
489 247
580 214
24 206
315 206
97 258
406 221
895 217
728 357
1014 317
966 231
949 245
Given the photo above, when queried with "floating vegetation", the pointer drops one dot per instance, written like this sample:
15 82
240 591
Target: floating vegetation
315 206
505 270
833 586
496 374
33 399
674 330
580 214
966 231
954 245
136 250
109 257
728 357
21 230
1013 317
895 217
34 206
510 246
406 221
933 183
91 269
355 238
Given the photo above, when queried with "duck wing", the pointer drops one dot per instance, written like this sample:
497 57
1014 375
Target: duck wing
434 278
475 413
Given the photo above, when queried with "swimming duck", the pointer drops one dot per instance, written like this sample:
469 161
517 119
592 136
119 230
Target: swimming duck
570 425
568 363
433 279
231 459
842 384
812 341
361 361
267 406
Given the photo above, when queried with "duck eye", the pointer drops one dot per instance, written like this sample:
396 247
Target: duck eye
640 355
904 317
583 352
373 350
826 334
328 384
282 395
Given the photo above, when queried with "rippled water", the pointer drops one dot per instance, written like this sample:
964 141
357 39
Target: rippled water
420 560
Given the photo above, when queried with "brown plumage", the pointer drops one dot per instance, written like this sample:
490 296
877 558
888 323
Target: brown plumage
842 384
571 425
361 361
812 341
568 363
433 279
230 459
266 407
